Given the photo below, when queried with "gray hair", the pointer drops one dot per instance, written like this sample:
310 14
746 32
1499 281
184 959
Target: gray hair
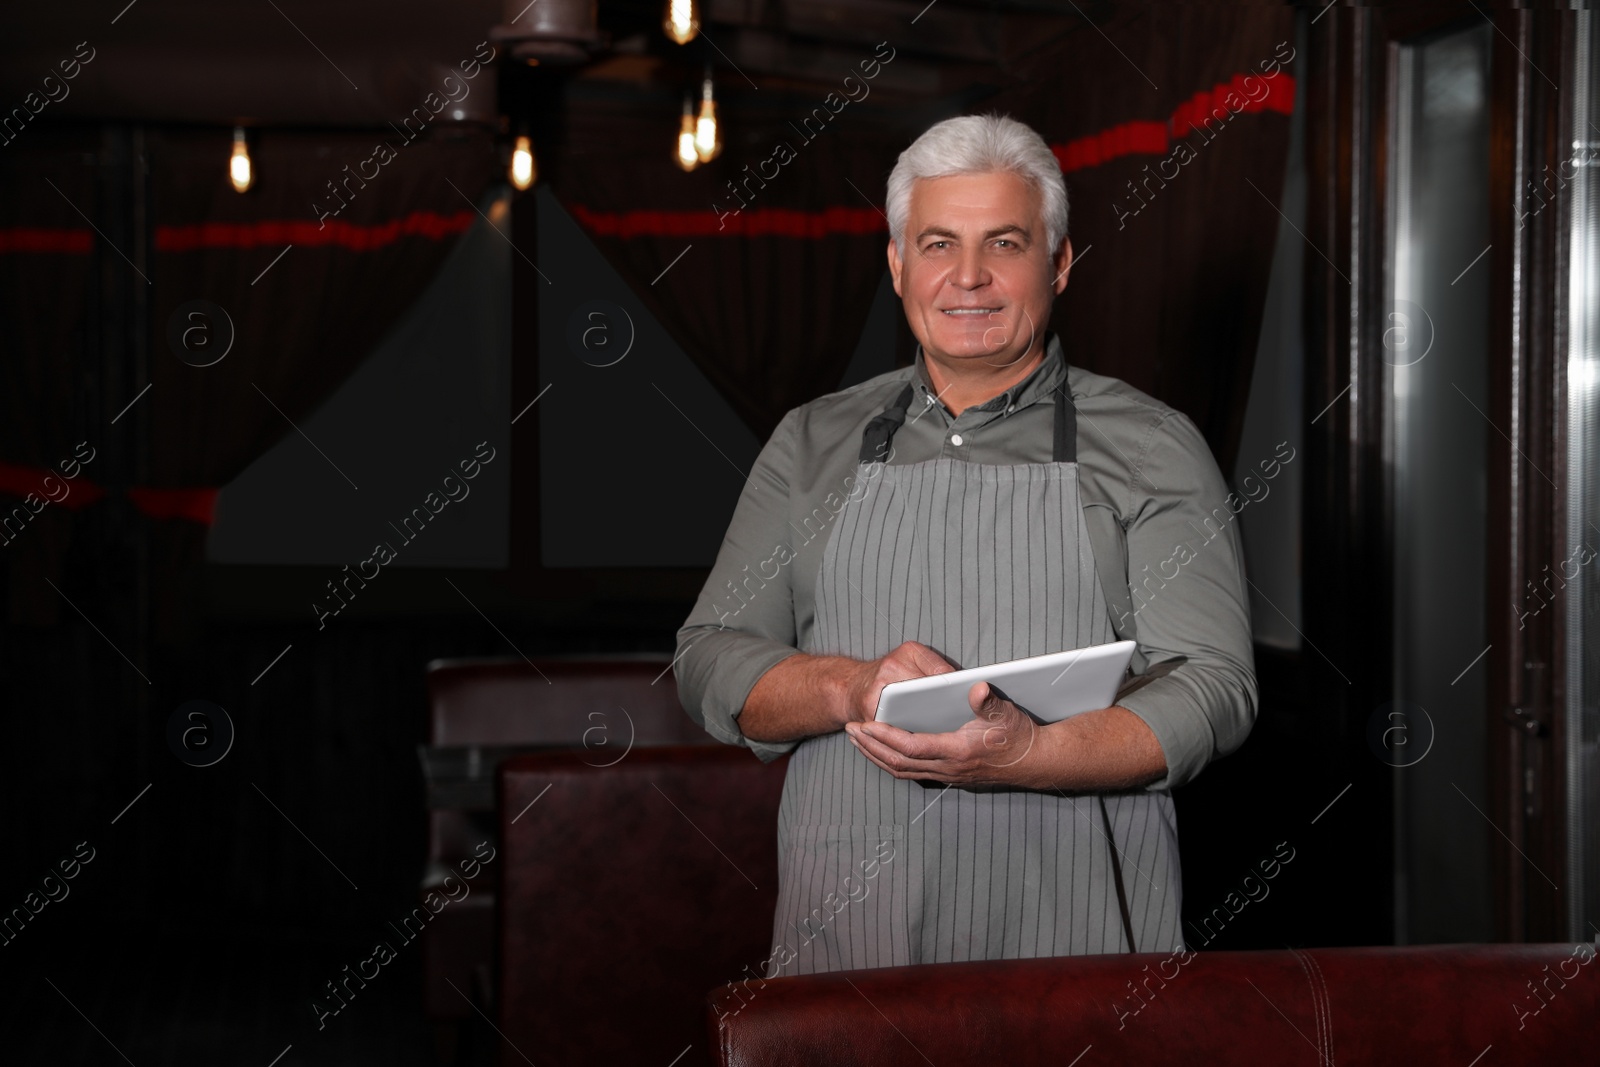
978 144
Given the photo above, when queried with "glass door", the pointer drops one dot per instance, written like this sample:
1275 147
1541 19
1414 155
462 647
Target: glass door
1574 582
1436 352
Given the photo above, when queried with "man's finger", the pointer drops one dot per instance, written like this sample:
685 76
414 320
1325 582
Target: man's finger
988 705
927 748
905 742
883 755
934 663
926 660
894 761
928 776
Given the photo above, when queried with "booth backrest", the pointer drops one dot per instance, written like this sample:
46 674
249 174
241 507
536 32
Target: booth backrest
558 701
1417 1005
604 705
627 892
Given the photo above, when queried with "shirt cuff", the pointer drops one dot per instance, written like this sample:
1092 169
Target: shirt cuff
1180 727
716 670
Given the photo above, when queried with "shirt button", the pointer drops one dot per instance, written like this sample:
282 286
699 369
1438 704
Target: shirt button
955 439
1010 408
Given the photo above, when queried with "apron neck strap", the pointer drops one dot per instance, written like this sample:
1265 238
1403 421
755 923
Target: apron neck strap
880 430
1066 443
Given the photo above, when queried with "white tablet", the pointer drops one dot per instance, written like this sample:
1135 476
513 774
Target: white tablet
1049 687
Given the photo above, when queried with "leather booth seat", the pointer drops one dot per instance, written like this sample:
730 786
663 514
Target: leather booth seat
603 705
557 701
1421 1005
628 891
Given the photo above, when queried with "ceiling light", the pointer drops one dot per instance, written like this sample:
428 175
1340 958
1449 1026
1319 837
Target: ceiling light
686 157
707 131
240 172
682 20
523 167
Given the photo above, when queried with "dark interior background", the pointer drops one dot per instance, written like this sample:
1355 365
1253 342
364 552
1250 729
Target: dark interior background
223 897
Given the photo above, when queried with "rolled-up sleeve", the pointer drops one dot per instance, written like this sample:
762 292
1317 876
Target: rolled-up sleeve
743 622
1190 604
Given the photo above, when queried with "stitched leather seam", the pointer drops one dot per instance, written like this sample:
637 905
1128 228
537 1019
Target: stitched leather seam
1323 1054
1327 1003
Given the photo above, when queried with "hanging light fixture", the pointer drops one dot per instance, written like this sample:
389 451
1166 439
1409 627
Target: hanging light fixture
686 157
240 171
707 131
549 32
682 20
524 169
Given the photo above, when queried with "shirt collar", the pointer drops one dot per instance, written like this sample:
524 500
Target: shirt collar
1038 385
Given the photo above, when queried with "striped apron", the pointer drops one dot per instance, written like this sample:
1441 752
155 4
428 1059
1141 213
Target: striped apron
983 563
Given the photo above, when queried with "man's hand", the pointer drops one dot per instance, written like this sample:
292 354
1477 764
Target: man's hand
992 749
1095 751
906 661
806 695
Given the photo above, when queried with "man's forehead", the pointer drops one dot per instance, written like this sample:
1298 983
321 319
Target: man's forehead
988 196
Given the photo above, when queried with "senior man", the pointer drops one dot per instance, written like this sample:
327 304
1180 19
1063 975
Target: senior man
987 503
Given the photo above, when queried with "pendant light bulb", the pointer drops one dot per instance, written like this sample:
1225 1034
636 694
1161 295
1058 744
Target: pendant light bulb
240 171
523 167
707 131
686 157
682 20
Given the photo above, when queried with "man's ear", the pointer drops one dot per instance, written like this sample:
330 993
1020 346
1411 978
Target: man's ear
1063 260
894 267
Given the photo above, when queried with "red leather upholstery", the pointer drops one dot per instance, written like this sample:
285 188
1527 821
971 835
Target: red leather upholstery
604 704
1436 1004
509 702
628 892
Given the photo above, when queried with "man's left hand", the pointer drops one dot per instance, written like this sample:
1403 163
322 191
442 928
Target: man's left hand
992 749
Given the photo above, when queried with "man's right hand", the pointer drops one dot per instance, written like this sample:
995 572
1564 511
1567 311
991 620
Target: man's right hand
911 659
806 695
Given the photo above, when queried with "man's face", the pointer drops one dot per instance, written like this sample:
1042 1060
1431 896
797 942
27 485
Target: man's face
977 279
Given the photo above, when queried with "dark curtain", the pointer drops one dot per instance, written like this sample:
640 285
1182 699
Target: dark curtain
299 324
45 281
1172 282
49 316
770 301
304 324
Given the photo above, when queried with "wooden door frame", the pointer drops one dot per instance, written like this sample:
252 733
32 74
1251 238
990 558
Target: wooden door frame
1347 521
1349 512
1528 460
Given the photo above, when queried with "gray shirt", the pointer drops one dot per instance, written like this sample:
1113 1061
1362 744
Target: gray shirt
1159 514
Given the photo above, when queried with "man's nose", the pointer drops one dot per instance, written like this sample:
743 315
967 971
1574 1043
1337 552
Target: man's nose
971 271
